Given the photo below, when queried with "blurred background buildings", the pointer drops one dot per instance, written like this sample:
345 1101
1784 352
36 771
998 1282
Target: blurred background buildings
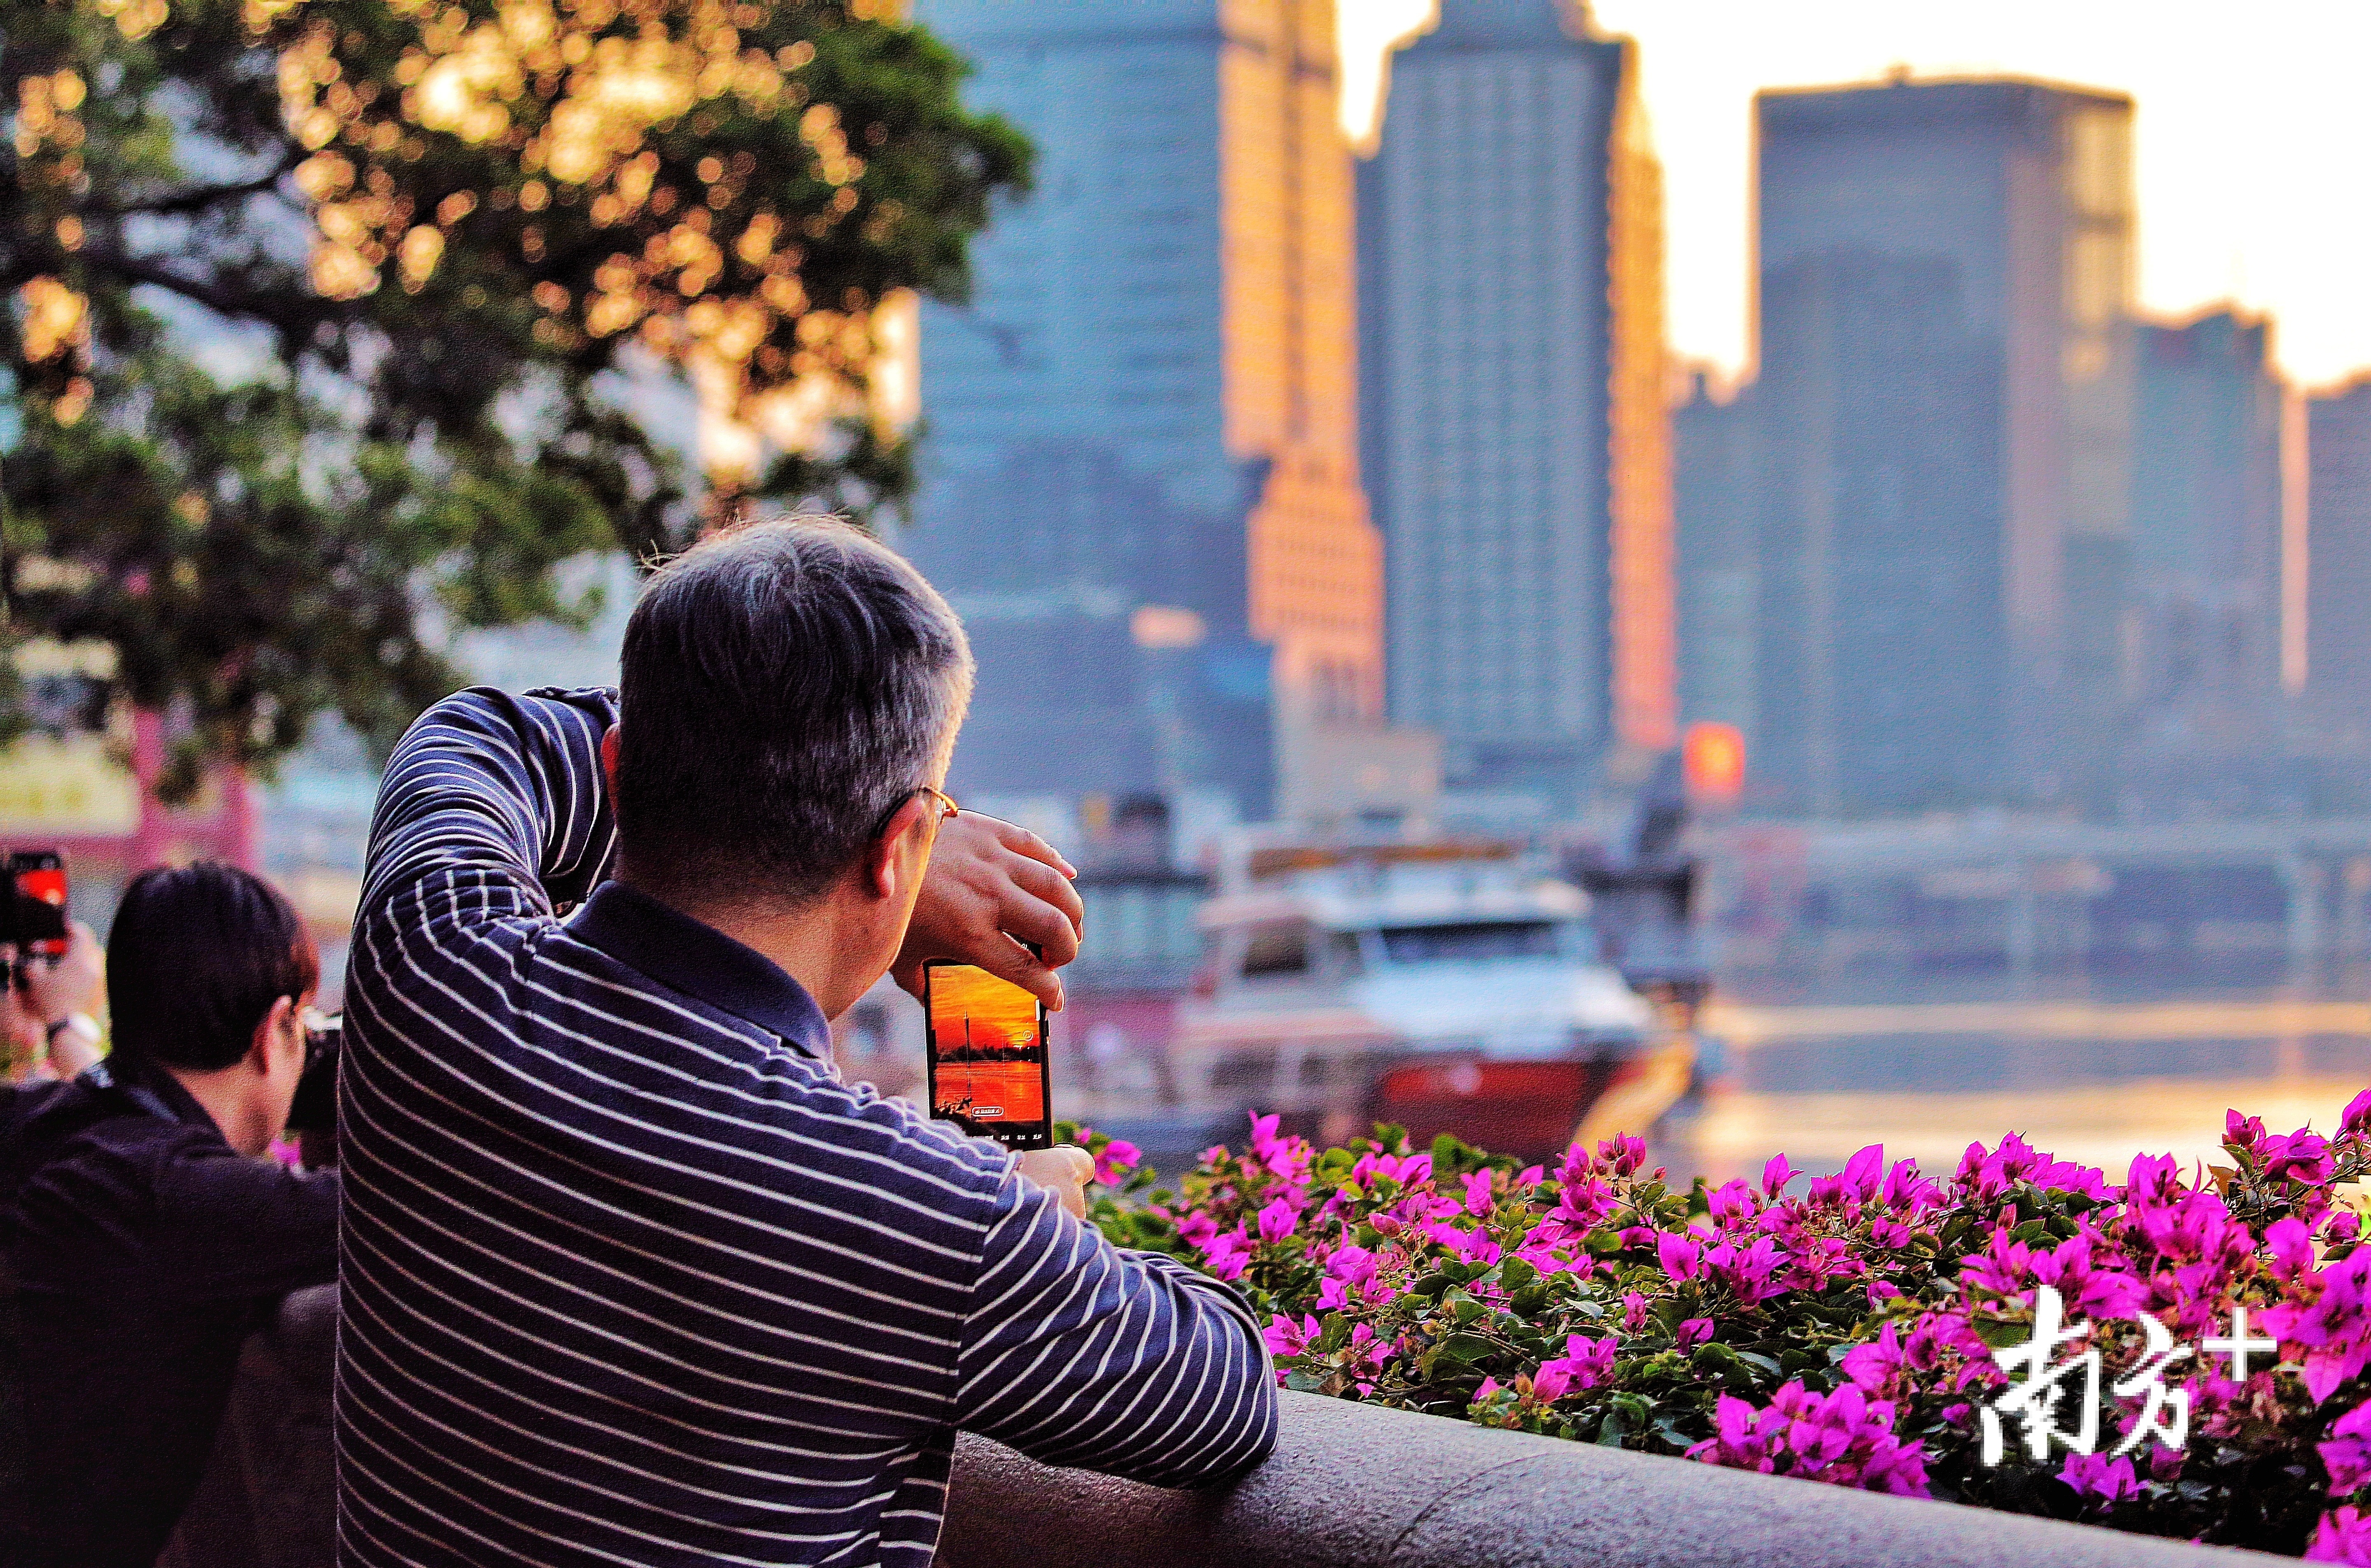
1143 487
1278 478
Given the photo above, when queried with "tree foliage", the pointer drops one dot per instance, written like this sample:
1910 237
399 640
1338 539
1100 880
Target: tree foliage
324 311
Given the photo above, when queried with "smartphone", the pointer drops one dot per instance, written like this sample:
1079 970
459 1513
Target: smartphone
36 911
985 1054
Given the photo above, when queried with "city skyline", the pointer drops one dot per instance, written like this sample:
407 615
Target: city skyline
2232 133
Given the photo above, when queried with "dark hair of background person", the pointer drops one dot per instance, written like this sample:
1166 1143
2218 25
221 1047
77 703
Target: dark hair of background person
196 957
781 688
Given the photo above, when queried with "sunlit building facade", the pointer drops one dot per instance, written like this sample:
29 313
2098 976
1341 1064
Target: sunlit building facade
1514 401
1943 427
1143 487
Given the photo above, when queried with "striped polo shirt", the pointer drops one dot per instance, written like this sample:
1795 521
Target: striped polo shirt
629 1276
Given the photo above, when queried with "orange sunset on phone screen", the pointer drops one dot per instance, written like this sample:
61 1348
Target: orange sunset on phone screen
974 1011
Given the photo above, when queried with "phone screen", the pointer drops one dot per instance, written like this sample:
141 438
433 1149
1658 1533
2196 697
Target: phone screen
986 1057
41 877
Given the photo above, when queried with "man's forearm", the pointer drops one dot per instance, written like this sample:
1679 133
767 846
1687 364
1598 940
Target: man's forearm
489 783
1122 1363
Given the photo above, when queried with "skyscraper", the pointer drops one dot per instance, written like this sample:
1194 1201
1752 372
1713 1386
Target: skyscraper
2338 469
1717 567
1943 428
1142 490
2206 527
1512 395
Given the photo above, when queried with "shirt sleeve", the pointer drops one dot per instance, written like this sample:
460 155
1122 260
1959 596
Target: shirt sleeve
239 1229
1078 1353
498 801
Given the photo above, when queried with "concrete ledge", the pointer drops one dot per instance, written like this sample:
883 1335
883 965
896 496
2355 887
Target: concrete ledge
1351 1486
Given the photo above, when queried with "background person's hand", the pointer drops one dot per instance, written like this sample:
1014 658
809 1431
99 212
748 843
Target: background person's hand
72 984
990 887
1063 1171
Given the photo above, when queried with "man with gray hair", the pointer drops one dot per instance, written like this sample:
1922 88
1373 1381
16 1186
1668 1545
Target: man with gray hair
629 1275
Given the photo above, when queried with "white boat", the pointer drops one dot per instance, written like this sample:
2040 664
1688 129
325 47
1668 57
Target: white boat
1442 985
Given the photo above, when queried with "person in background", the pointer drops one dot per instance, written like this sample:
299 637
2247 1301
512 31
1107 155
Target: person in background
45 1011
145 1231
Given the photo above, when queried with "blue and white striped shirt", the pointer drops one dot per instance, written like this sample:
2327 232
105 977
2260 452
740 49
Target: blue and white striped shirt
629 1276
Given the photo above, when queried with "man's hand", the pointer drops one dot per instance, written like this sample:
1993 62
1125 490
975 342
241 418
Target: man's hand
1063 1171
991 886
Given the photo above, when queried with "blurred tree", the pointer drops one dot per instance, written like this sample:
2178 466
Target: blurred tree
417 244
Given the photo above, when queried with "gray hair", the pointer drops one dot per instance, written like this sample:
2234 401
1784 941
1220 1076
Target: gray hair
783 688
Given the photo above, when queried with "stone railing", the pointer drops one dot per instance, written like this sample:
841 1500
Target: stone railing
1350 1486
1353 1486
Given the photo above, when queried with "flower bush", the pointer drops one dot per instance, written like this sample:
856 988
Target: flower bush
1839 1329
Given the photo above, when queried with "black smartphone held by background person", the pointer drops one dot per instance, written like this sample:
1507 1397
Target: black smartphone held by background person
984 1052
35 897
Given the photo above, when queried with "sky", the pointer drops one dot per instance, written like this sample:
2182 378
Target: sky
2252 132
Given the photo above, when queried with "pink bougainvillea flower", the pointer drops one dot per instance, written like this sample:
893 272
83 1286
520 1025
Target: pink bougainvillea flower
1623 1154
1749 1272
2333 1331
2301 1156
1682 1256
2344 1535
1228 1255
1286 1337
1843 1438
2291 1241
1776 1175
1906 1189
1478 1199
1862 1172
1692 1334
1635 1311
2241 1132
2097 1475
1731 1206
1738 1441
1586 1364
2356 1117
1116 1159
1277 1221
2347 1453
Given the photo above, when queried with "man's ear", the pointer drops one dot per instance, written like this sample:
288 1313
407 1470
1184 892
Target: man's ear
886 857
609 760
266 1039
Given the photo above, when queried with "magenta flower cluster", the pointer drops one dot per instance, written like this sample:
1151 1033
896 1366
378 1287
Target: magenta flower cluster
1839 1328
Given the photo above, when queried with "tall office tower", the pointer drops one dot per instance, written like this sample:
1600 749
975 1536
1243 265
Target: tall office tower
1717 560
1943 427
2205 582
2337 585
1142 490
1512 396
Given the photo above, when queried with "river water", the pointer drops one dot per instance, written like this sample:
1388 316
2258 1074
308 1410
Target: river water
2094 1067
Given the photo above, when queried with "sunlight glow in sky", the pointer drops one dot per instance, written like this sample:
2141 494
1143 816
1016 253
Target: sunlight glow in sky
2253 135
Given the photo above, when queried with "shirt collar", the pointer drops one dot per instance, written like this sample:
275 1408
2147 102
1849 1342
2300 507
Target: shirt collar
695 959
150 1086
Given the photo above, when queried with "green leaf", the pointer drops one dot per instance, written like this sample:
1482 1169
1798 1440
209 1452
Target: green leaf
1466 1347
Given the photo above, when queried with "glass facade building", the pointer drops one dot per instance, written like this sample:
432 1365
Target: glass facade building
1141 484
1943 440
1513 398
